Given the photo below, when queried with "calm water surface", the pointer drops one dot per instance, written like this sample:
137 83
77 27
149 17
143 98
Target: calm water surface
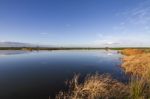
38 75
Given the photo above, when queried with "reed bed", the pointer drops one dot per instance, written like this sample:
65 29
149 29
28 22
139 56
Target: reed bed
130 51
104 87
137 64
95 87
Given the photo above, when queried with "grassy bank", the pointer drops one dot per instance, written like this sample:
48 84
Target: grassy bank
136 62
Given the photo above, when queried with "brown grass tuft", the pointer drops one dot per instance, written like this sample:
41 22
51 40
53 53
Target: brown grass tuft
95 87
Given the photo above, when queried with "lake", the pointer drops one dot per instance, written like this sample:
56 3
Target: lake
40 74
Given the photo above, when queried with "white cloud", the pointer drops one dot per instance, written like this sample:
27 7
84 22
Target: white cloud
111 43
134 29
122 40
106 40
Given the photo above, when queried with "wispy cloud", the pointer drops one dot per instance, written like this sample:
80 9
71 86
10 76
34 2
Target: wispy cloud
134 29
137 18
121 40
105 40
140 15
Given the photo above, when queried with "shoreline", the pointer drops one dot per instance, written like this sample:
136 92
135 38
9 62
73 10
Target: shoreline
70 48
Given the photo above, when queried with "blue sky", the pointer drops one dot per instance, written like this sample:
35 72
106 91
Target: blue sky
93 23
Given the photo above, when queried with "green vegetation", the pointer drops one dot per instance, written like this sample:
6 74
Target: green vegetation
137 88
54 48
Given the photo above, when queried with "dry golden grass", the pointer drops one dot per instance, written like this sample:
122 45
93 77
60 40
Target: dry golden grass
95 87
104 87
129 52
137 87
137 64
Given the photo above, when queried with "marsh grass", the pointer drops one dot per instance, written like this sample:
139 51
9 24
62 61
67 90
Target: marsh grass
137 88
104 87
95 87
138 65
132 51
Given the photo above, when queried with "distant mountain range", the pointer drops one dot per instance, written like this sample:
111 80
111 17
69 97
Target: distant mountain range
16 44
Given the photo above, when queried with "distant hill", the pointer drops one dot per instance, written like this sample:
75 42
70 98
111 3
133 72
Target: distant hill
16 44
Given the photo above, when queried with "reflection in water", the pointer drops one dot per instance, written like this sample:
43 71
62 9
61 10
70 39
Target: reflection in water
37 75
11 52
